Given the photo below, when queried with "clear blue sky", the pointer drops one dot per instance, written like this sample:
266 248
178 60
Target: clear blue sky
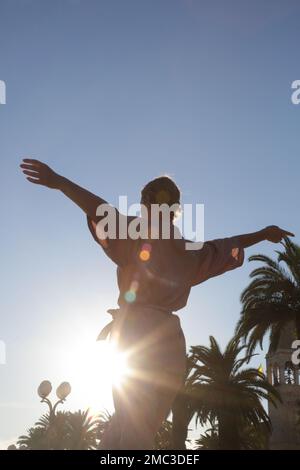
111 94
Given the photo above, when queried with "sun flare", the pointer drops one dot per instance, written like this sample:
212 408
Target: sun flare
93 368
117 366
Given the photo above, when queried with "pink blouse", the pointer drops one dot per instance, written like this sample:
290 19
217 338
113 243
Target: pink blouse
160 273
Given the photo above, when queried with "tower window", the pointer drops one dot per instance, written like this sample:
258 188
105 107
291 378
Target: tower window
275 375
289 373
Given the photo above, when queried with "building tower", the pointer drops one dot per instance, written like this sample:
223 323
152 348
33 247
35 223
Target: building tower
284 375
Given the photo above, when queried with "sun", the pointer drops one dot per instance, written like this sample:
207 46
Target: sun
93 368
117 365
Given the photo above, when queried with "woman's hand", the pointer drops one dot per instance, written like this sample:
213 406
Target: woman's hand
276 234
40 173
271 233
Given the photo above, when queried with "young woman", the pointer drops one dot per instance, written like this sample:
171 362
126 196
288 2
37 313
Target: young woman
155 277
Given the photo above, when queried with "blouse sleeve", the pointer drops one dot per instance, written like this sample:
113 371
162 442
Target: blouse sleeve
215 258
119 250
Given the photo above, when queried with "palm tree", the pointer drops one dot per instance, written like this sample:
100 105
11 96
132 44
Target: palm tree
64 430
81 430
105 420
55 428
209 440
49 432
163 438
250 438
272 299
225 392
34 439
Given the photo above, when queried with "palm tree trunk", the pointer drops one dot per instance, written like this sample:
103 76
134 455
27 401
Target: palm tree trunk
228 431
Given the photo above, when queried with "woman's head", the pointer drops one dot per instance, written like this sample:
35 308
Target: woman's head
161 190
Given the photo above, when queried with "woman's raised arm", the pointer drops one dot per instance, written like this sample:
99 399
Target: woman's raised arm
40 173
271 233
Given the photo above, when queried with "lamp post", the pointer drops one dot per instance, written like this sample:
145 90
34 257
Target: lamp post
62 391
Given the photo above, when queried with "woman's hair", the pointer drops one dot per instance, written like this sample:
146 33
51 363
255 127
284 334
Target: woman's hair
161 190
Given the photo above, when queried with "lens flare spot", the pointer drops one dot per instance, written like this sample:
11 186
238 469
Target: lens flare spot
147 247
130 296
134 286
144 255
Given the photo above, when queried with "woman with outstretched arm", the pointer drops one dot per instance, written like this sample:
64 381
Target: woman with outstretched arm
155 277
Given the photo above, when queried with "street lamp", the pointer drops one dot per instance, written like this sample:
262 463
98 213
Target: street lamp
62 391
